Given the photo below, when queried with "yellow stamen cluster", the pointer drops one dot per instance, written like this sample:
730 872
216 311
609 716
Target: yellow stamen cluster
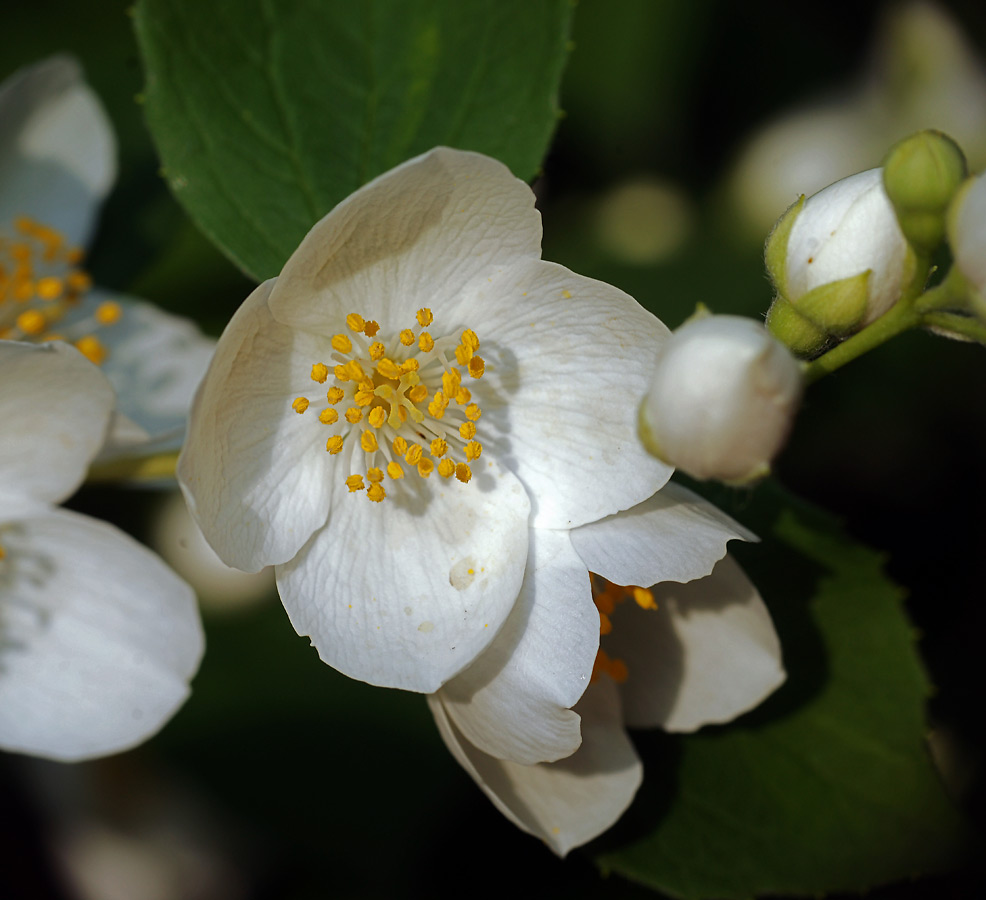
607 596
404 400
40 284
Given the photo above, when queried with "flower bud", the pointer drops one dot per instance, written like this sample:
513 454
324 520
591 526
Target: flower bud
722 399
839 258
921 175
967 235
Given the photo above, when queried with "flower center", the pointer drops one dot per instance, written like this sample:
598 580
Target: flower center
407 405
41 284
607 596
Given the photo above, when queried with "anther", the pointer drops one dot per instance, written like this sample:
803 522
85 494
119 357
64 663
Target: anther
354 483
342 344
300 405
328 416
424 317
320 372
368 442
334 444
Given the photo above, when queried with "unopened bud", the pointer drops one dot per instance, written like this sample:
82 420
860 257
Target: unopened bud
921 175
722 399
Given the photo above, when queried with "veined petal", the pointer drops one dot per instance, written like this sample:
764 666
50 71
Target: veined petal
513 701
417 236
707 654
55 406
568 360
57 149
565 803
98 638
253 471
155 363
406 593
673 536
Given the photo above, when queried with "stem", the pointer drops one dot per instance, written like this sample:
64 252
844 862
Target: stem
143 468
956 325
897 319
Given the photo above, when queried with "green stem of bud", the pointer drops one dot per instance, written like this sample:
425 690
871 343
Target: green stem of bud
140 468
956 325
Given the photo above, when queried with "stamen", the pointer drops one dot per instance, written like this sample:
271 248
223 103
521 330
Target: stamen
354 483
328 416
424 317
320 372
355 322
368 442
300 405
342 344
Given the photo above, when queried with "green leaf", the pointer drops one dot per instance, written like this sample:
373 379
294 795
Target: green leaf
267 113
828 786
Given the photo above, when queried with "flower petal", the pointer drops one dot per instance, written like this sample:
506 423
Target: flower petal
255 473
406 593
99 638
706 655
568 360
417 236
155 363
565 803
57 149
673 536
55 406
513 701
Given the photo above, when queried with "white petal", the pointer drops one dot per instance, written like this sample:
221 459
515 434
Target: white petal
155 363
255 473
419 235
565 803
57 149
568 360
406 593
100 638
55 406
706 655
673 536
513 701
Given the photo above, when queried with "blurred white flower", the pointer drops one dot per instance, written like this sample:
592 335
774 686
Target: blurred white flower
57 164
98 638
967 237
643 221
722 399
350 433
922 73
675 656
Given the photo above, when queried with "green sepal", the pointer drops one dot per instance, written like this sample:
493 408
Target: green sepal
775 250
801 337
837 308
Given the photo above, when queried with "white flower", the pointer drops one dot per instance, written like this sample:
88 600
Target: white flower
722 399
470 388
967 236
677 656
57 164
98 638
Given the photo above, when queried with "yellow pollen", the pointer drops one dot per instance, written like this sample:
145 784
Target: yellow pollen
567 294
463 354
425 342
424 317
370 329
438 405
467 431
439 448
463 472
342 344
376 492
355 322
78 282
354 483
425 467
389 369
335 394
410 365
473 412
328 416
400 446
334 444
320 371
470 340
450 382
644 598
374 474
413 455
355 371
377 416
363 398
340 373
477 366
368 442
50 288
473 451
418 393
108 313
394 470
407 337
354 414
31 321
300 405
91 348
377 350
463 396
446 468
